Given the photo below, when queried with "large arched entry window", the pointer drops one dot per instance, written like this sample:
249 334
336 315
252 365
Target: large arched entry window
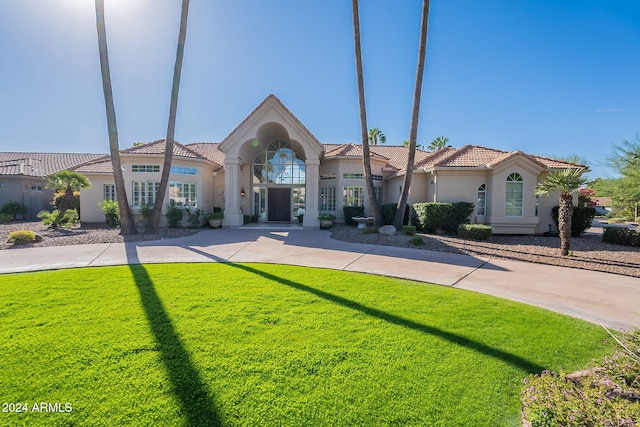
279 177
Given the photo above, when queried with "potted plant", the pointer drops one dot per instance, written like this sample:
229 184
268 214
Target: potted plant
326 220
214 219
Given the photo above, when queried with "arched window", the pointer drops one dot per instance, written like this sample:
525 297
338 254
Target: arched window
514 195
279 164
482 199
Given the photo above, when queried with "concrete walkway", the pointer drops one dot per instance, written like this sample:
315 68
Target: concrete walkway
601 298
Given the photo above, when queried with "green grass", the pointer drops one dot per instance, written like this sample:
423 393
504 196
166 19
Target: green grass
253 344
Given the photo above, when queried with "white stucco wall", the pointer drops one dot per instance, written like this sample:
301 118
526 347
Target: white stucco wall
18 189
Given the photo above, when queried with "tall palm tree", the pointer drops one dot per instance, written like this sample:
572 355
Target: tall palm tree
415 114
567 182
438 144
67 182
154 219
366 154
375 136
127 226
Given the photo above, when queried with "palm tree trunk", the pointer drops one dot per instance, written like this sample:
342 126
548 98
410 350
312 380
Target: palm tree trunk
154 219
415 114
565 210
127 225
366 154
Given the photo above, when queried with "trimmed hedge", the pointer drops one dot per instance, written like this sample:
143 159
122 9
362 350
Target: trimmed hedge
474 231
389 211
581 219
409 230
621 236
351 211
434 216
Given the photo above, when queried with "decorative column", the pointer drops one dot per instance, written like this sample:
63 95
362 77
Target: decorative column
312 193
232 212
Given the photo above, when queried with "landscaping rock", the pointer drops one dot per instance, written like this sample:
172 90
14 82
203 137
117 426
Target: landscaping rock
387 230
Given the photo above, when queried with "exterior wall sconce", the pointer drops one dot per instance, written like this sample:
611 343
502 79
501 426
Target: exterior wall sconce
242 193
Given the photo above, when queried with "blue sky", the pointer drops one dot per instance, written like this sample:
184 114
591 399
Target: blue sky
548 77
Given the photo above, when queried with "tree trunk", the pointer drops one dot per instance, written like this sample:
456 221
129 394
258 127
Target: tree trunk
565 210
65 204
366 154
415 114
154 219
127 225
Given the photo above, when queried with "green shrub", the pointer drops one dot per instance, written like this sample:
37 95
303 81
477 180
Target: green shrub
13 209
111 212
409 230
602 396
435 216
174 214
389 212
351 211
20 237
50 218
474 231
621 236
146 210
417 241
4 218
194 217
581 219
369 230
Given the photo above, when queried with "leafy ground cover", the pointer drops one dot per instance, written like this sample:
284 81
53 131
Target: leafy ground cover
253 344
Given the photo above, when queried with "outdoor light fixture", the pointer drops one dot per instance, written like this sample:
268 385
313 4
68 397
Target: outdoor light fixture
242 192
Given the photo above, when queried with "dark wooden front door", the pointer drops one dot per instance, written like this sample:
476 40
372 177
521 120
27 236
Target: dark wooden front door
279 200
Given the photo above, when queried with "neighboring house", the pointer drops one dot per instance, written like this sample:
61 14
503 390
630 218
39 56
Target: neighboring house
271 165
23 177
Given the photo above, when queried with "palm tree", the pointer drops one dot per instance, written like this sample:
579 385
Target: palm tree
127 226
438 144
415 113
366 154
154 219
376 135
567 182
67 182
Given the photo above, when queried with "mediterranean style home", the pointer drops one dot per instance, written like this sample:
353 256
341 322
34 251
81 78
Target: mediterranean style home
23 177
271 167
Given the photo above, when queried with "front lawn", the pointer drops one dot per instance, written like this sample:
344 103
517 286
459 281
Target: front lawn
254 344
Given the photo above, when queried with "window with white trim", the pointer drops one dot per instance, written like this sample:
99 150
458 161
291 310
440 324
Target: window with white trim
379 195
144 192
183 170
327 199
514 195
482 199
145 168
352 195
184 193
352 176
109 192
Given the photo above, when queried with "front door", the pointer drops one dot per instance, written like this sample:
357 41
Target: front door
279 206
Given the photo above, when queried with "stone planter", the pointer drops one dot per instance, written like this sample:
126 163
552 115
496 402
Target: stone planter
326 223
215 223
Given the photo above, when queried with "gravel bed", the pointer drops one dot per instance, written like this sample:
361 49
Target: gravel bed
82 233
588 251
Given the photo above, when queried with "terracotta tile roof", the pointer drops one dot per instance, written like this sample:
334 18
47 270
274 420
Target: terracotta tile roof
41 164
157 147
98 166
208 150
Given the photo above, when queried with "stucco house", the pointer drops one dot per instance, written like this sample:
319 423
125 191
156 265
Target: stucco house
23 177
271 165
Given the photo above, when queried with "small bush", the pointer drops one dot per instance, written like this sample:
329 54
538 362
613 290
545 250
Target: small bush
602 396
4 218
351 211
111 212
409 230
194 217
474 231
435 216
621 236
417 241
21 237
13 209
50 218
581 219
174 214
369 230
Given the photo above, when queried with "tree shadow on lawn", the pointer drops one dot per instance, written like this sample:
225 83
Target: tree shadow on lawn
512 359
196 404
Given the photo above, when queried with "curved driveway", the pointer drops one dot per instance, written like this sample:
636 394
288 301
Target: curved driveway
601 298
